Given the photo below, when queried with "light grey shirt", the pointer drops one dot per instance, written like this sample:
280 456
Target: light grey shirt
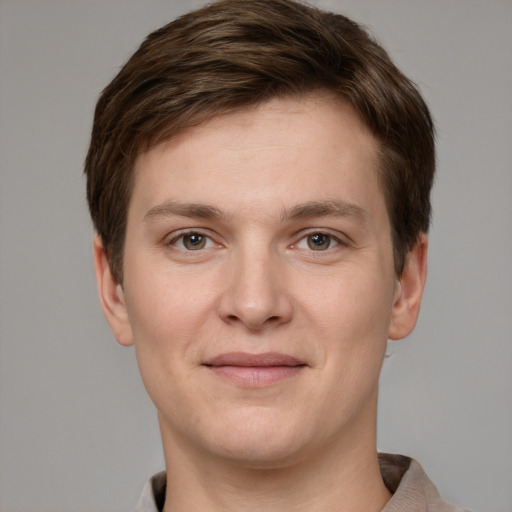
404 477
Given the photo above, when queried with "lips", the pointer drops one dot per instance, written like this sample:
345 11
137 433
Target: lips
254 370
256 360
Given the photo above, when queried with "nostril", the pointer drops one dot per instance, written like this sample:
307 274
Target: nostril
256 306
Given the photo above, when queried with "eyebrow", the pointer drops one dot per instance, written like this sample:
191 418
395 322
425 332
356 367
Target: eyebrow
174 208
335 208
308 210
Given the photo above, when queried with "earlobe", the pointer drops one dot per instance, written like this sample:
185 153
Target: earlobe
111 296
409 291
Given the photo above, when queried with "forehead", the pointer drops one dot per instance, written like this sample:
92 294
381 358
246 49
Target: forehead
283 150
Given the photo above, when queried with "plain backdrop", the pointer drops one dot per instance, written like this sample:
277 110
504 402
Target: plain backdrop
77 432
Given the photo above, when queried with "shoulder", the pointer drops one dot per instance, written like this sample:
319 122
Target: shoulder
153 494
411 488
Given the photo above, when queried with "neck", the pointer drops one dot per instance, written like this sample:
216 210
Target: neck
342 475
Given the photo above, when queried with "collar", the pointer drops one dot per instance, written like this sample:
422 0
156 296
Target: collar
404 477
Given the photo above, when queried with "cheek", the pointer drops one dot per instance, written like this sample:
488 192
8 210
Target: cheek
168 317
167 310
351 318
352 306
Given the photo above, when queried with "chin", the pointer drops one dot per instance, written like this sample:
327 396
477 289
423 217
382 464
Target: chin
259 442
261 455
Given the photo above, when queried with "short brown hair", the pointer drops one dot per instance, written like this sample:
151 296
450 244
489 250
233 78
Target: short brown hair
234 54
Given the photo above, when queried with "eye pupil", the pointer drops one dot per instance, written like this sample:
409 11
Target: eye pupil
319 241
194 241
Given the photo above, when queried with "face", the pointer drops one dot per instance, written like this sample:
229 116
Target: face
259 288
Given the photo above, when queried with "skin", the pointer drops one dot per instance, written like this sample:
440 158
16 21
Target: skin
220 258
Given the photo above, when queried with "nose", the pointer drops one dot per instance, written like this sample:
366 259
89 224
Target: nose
255 291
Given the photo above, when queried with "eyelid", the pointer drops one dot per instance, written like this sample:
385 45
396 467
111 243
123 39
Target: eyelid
173 237
339 238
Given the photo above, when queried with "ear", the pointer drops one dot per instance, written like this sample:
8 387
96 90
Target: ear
111 296
409 291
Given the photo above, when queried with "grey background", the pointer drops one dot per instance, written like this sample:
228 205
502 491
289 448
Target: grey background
77 433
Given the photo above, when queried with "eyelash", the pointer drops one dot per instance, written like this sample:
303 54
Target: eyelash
332 239
209 242
183 236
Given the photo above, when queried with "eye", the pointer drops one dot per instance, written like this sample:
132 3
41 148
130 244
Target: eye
192 241
318 242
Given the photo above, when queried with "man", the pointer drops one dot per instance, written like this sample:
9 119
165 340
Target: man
259 178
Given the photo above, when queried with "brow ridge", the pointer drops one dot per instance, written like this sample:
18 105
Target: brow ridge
175 208
332 208
310 209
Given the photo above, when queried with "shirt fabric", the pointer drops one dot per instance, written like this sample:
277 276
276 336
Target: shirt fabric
404 477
